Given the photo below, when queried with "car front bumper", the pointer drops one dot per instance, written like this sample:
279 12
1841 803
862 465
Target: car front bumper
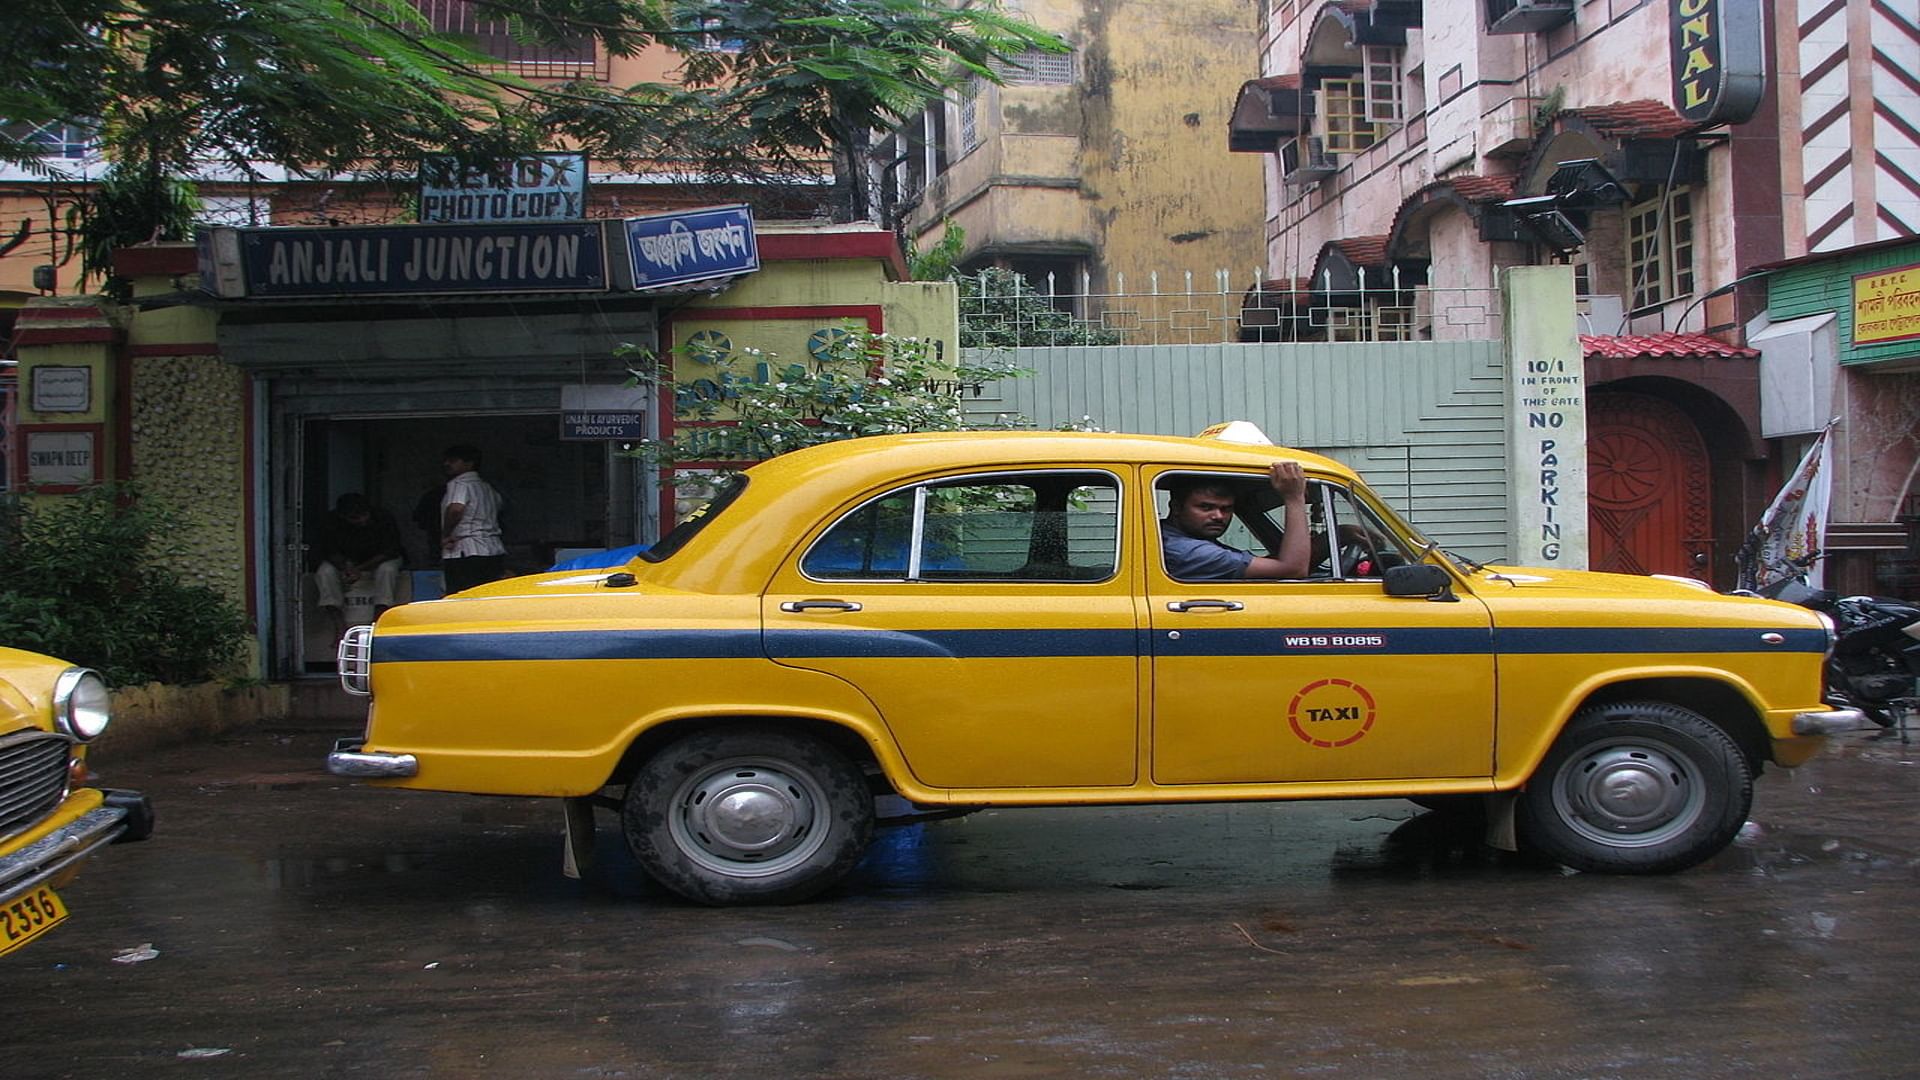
122 815
350 758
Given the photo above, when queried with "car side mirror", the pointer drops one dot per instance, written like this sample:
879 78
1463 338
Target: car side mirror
1420 579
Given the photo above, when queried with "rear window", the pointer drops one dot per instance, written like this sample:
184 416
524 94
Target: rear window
724 493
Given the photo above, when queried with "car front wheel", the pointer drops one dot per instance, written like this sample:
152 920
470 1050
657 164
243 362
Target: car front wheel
748 816
1636 788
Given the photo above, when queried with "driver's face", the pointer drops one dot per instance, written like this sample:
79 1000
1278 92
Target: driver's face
1204 514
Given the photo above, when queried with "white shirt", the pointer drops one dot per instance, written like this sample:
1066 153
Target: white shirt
478 530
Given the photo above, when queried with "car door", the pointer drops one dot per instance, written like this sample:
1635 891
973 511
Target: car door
1321 679
989 619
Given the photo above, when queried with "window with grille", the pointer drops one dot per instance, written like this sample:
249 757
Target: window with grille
1386 85
1660 248
55 138
969 116
495 37
1343 111
1036 68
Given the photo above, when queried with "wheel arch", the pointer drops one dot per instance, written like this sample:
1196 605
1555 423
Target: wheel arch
1720 703
860 746
1720 699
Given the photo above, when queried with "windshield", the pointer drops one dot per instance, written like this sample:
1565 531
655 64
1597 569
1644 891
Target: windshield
724 492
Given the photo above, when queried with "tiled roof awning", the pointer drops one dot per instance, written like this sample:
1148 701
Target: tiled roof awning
1662 346
1407 240
1351 264
1643 119
1267 110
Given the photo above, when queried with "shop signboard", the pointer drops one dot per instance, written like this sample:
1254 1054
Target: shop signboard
416 259
603 413
60 458
689 246
1886 305
1718 52
537 187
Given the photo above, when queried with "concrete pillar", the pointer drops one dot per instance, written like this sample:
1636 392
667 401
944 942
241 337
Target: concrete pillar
1546 419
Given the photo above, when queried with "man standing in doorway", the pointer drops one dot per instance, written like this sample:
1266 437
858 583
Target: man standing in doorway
470 549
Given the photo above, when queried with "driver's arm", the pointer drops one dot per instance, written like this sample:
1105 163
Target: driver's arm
1290 482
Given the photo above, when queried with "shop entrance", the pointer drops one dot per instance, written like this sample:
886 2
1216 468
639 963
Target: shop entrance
558 498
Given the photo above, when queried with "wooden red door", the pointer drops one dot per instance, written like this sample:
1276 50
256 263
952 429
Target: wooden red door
1649 487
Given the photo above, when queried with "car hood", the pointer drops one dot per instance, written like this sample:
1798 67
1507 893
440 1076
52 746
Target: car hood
26 690
1537 578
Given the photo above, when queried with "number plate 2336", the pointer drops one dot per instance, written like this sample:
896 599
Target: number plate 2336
27 917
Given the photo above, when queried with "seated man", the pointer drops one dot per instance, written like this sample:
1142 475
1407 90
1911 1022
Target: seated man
1201 508
355 541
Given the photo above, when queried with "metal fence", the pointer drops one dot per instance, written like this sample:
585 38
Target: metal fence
1221 308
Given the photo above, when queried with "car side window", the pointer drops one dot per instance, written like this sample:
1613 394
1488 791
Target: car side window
1049 526
1364 547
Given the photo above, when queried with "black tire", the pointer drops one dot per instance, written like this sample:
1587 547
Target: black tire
747 815
1636 787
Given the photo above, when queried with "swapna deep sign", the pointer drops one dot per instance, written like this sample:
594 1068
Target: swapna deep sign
670 249
1719 60
355 261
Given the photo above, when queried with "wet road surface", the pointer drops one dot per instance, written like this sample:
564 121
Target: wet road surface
311 927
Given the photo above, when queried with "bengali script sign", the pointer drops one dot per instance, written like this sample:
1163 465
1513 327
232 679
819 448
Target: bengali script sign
669 249
1886 305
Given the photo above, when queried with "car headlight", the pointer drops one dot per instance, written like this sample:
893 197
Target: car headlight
81 704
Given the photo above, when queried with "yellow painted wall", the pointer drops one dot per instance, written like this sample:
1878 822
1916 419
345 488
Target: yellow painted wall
919 309
1150 185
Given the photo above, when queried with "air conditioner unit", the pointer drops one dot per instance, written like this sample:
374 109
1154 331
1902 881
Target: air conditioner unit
1527 16
1305 160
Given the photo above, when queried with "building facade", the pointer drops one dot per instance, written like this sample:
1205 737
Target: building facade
252 410
1676 153
1094 165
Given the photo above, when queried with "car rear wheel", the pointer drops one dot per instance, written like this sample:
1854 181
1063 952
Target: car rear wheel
748 816
1636 788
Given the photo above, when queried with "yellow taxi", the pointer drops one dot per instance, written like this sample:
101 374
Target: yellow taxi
999 619
50 819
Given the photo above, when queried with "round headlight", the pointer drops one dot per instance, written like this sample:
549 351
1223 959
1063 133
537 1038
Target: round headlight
81 704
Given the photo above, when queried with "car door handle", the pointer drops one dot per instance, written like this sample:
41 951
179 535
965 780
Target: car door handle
819 605
1189 605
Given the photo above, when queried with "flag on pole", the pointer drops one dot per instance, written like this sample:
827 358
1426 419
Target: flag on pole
1795 524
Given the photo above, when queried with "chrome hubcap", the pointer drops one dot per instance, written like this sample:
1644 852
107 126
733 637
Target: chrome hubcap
749 818
1628 794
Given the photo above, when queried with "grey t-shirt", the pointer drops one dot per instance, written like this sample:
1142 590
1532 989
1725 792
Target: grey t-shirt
1194 558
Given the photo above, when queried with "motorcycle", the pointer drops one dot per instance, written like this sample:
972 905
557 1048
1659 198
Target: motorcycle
1875 664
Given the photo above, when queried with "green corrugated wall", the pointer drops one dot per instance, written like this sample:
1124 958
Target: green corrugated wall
1423 422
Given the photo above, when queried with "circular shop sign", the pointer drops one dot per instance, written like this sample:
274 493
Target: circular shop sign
1331 713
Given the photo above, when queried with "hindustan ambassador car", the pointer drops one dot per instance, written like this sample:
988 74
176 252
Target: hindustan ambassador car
50 819
988 619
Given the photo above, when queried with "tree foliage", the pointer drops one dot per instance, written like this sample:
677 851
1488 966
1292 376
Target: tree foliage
180 87
89 579
740 407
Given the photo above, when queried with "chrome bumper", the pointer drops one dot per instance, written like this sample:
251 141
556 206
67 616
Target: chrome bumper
39 861
1830 722
348 759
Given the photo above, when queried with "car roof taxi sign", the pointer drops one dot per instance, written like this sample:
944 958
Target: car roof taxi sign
1237 431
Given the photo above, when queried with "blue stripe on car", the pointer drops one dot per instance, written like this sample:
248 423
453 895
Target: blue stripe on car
980 644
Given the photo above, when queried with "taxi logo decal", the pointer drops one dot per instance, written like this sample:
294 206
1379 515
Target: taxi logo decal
1331 713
